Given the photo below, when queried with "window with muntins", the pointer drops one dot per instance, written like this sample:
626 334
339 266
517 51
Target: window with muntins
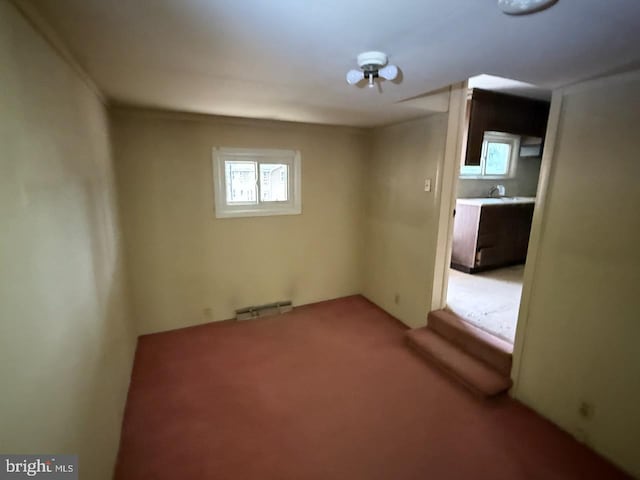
256 182
499 157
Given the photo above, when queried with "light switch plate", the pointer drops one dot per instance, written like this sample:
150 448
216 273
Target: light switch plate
427 185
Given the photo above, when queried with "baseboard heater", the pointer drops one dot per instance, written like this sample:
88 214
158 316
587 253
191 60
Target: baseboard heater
268 309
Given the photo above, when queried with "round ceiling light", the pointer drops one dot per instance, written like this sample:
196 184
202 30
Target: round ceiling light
522 7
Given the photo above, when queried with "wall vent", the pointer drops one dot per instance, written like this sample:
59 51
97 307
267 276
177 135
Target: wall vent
266 310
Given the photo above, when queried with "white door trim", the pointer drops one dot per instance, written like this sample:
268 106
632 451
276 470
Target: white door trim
448 173
537 232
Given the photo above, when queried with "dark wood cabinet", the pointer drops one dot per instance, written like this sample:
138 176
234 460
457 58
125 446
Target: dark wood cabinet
497 112
490 235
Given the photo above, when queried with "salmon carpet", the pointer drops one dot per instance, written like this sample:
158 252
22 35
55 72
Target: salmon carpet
328 391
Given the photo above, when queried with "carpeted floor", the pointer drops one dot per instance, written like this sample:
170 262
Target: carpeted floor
329 391
489 300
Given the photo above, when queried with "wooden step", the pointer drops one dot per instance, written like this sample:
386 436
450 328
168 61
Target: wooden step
490 349
471 372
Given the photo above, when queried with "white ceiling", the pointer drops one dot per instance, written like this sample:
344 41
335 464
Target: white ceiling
506 85
287 59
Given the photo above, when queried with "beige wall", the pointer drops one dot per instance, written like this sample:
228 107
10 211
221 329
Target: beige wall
186 266
66 339
401 218
66 346
581 339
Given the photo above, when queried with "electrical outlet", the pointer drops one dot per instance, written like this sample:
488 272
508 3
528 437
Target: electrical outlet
208 312
427 185
586 410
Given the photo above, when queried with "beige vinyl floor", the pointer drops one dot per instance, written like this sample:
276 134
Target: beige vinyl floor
490 300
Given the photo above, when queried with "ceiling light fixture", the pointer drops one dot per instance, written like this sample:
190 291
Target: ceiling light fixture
372 66
523 7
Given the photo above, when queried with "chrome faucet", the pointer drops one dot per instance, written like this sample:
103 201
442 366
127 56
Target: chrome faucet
497 188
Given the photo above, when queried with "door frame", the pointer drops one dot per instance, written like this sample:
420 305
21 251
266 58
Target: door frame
455 142
448 172
537 230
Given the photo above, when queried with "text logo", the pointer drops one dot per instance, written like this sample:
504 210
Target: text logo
50 467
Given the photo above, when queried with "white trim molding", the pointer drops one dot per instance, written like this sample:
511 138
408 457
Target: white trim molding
257 207
535 238
448 172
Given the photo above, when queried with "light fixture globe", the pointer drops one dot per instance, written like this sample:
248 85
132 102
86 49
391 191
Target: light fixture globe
389 72
354 76
523 7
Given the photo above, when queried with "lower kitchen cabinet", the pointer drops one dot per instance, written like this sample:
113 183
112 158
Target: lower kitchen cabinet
490 233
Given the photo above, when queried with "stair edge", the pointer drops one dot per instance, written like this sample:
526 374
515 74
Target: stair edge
472 340
506 381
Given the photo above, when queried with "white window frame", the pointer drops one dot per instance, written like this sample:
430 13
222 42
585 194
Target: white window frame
291 158
496 137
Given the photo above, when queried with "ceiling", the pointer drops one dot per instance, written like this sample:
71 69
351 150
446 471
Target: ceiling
287 59
507 85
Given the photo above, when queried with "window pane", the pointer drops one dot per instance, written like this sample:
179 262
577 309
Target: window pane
274 182
497 160
241 181
470 170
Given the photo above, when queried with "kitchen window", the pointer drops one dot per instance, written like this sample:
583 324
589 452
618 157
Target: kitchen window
499 157
256 182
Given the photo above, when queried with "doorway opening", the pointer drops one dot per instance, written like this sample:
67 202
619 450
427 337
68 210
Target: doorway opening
503 139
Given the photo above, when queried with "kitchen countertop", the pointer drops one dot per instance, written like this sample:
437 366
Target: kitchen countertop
479 202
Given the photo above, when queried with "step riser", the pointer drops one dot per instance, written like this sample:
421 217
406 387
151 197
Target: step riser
430 358
467 370
472 340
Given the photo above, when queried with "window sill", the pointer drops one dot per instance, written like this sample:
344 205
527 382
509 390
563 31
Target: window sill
485 177
259 212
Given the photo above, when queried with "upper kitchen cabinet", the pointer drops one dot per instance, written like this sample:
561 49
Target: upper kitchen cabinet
498 112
